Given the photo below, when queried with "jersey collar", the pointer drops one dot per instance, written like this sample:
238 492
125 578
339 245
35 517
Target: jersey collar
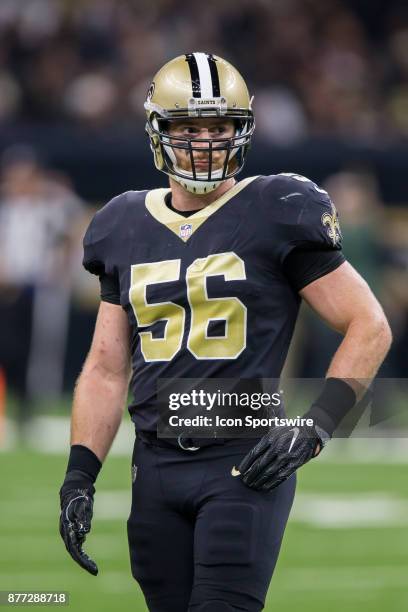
184 227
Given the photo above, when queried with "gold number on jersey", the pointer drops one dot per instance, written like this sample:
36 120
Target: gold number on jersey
203 309
142 275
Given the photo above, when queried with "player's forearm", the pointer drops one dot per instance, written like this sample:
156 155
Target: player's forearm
362 350
99 401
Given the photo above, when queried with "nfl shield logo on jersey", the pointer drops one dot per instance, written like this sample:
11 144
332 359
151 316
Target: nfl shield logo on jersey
186 230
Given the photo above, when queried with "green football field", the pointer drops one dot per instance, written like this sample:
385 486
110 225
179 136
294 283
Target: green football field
345 548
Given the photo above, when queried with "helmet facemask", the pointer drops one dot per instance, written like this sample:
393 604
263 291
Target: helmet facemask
196 180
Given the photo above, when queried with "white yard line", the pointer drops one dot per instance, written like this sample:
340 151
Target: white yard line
321 511
348 511
331 511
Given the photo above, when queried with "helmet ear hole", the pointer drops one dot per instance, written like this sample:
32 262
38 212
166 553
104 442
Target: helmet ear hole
238 125
165 125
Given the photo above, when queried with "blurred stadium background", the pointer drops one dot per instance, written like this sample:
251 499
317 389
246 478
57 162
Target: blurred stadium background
330 81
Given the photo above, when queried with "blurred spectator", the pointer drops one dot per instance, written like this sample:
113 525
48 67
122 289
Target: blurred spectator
324 68
38 211
280 116
357 199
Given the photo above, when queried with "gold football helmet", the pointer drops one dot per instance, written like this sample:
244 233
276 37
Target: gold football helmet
198 85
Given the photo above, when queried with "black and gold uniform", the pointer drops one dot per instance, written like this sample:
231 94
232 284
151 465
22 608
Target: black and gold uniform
214 294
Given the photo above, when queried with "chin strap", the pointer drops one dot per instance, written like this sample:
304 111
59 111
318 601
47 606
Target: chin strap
197 187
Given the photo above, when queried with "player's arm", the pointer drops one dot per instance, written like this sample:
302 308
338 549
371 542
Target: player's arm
99 401
345 302
102 387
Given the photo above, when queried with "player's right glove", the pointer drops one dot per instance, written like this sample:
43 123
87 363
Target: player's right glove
75 520
76 496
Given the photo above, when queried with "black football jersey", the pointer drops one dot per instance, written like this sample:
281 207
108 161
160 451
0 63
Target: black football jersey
207 295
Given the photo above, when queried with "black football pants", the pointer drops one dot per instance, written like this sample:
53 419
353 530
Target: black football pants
197 534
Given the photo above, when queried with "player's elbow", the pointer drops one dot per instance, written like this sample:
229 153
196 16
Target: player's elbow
377 331
109 368
383 333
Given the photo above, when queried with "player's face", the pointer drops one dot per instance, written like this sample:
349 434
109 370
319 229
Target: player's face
208 129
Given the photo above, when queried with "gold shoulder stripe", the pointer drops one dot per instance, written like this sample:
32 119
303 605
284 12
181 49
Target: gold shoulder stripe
156 206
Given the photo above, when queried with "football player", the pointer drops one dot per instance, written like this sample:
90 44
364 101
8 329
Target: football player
204 280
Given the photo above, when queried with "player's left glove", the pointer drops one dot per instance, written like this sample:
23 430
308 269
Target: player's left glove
279 453
285 449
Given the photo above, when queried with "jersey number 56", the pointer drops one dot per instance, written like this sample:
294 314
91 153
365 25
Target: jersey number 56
203 309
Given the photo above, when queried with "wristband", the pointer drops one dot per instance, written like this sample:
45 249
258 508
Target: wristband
335 401
84 460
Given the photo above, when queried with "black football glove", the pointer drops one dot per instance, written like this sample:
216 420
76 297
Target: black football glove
76 497
280 453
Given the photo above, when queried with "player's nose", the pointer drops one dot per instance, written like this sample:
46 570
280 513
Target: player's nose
201 147
203 135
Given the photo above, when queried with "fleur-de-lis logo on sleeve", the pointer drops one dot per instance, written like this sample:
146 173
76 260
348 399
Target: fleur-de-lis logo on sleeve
331 221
